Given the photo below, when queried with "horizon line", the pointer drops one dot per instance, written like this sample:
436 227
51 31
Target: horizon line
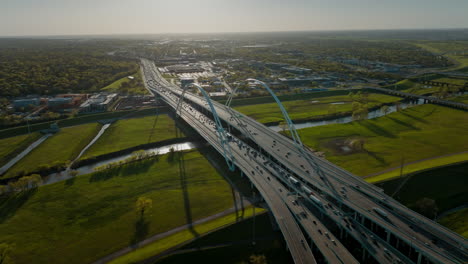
228 32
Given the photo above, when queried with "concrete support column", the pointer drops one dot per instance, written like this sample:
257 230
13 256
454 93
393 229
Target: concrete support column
419 258
388 236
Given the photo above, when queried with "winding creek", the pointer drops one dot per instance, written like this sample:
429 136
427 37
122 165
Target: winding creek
65 174
347 119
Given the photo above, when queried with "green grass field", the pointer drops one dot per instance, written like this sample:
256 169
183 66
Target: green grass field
91 216
307 109
81 119
129 133
215 247
184 236
457 221
413 134
449 46
10 147
61 147
125 85
461 99
447 186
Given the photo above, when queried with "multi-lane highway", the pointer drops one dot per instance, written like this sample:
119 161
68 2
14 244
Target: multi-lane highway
347 200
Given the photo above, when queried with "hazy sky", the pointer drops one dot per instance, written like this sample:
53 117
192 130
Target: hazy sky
66 17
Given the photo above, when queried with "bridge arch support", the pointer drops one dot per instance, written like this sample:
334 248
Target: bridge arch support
291 127
220 131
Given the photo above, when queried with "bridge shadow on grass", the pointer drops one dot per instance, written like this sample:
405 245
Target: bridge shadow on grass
126 170
376 157
403 123
141 230
183 185
377 129
419 119
12 203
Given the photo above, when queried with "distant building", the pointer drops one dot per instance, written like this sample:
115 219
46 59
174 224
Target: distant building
184 69
302 81
25 103
297 70
98 103
186 81
59 102
276 66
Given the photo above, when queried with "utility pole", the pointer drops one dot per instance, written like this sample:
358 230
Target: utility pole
401 166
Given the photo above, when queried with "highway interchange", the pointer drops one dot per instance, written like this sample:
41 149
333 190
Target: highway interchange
286 176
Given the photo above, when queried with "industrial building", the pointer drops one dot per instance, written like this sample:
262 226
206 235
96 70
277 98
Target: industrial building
28 102
98 103
184 69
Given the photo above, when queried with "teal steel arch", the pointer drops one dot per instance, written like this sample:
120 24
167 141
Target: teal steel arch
222 136
292 128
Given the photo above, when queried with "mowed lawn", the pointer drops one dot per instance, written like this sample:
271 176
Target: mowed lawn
413 134
125 85
62 147
307 109
133 132
10 147
91 216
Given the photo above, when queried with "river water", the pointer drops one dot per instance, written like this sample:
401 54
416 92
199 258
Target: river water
347 119
65 174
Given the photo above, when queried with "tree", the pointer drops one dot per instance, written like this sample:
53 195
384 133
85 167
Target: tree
385 109
143 204
73 173
4 254
258 259
332 109
360 111
3 190
357 144
426 207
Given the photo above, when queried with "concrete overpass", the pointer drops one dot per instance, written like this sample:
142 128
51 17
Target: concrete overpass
270 160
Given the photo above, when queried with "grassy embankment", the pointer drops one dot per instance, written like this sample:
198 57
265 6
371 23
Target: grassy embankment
309 109
81 119
60 148
215 246
90 216
461 99
457 221
182 237
129 133
128 86
10 147
446 186
417 133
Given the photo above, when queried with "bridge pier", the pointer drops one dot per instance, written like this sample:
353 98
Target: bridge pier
419 258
